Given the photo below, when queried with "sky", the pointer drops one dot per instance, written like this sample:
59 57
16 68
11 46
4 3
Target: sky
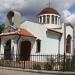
31 8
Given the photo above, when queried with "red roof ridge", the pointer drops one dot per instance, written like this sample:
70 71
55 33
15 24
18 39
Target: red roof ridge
20 31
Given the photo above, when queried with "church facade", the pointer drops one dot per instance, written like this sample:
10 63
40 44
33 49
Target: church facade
48 37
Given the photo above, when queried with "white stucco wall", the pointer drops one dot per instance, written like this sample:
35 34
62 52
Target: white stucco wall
69 31
49 40
62 41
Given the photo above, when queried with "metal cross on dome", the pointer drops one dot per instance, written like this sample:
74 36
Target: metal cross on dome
50 2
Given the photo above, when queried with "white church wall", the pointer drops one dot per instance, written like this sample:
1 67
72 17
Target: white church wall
49 45
37 30
62 41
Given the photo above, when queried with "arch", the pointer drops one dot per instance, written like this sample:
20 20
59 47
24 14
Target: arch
10 16
25 50
68 44
7 50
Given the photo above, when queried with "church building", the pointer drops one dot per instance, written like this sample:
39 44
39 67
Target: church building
25 38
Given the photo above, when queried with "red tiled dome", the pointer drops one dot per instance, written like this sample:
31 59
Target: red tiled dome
49 11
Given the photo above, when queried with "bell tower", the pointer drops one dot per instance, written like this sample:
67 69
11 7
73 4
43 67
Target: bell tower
12 21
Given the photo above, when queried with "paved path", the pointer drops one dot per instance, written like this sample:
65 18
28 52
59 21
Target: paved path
17 72
12 72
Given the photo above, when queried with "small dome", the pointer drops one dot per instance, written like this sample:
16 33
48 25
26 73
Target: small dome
49 11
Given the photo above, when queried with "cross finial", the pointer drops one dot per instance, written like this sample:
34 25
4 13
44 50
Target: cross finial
49 3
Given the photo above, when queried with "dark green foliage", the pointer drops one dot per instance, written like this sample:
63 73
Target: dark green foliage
47 66
73 62
68 65
2 28
36 67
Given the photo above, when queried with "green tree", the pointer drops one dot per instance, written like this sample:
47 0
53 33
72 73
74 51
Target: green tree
1 28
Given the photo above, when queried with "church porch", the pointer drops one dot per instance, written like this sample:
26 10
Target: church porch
14 45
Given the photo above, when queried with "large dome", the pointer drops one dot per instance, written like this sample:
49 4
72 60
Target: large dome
49 11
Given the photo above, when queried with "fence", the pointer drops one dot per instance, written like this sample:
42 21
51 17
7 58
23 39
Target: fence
41 62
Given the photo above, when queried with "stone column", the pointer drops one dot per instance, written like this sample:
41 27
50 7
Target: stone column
50 19
46 19
14 49
42 18
39 19
2 50
54 19
57 20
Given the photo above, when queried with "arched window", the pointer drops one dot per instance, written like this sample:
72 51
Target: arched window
44 17
52 19
38 41
48 19
68 44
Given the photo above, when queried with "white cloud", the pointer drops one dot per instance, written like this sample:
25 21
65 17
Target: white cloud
65 14
6 5
68 17
32 7
71 19
64 4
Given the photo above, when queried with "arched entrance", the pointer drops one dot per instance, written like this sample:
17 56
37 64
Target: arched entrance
25 50
68 44
7 50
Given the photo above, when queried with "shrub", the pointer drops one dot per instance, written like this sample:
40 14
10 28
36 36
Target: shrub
47 66
66 66
37 67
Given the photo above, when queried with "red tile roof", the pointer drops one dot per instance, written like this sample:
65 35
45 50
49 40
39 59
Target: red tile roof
21 32
49 11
